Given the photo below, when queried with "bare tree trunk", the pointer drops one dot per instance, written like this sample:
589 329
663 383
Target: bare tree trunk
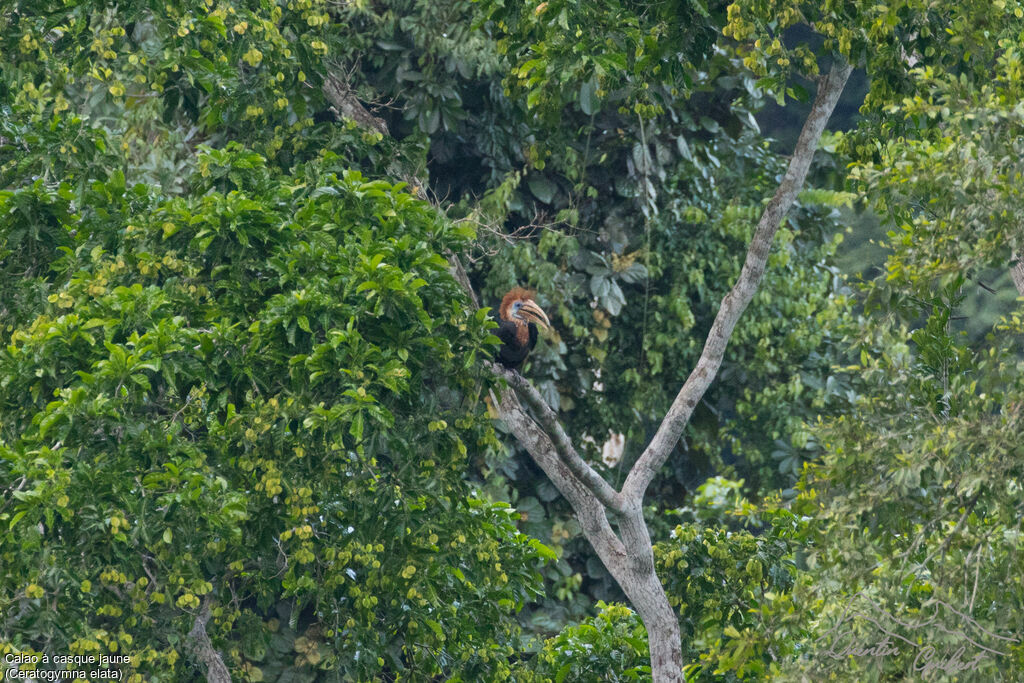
631 559
645 592
639 580
664 643
736 301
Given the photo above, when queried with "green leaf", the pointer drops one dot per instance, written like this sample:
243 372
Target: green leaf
356 428
16 518
435 627
545 551
589 101
542 188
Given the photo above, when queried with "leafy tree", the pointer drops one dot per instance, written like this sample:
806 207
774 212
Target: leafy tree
209 294
234 420
919 486
874 35
115 84
611 646
655 202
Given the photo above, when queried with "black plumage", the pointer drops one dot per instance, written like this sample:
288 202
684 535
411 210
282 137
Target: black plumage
512 353
518 317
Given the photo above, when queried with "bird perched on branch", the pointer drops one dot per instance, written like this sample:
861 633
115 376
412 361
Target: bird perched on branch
518 317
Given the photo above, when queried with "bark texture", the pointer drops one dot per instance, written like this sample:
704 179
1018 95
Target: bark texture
1017 273
339 93
203 650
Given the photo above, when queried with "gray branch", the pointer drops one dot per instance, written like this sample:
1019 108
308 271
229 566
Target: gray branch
339 93
734 303
559 439
459 273
203 650
1017 273
590 512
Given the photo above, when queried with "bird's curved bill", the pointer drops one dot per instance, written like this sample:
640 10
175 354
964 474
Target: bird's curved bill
533 313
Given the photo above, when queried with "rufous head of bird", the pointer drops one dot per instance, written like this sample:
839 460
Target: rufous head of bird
518 306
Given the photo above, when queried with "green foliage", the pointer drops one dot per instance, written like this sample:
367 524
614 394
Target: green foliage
656 294
249 398
953 195
918 492
922 484
611 646
730 569
430 53
651 217
628 54
235 370
162 78
885 38
731 572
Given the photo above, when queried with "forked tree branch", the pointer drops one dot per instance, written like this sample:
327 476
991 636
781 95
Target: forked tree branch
549 438
736 301
559 439
628 555
590 512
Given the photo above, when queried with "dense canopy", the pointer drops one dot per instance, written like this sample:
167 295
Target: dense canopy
251 256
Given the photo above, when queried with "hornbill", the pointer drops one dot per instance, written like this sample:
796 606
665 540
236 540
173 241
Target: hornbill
516 329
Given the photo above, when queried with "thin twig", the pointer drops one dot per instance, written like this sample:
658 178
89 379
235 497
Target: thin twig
956 529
